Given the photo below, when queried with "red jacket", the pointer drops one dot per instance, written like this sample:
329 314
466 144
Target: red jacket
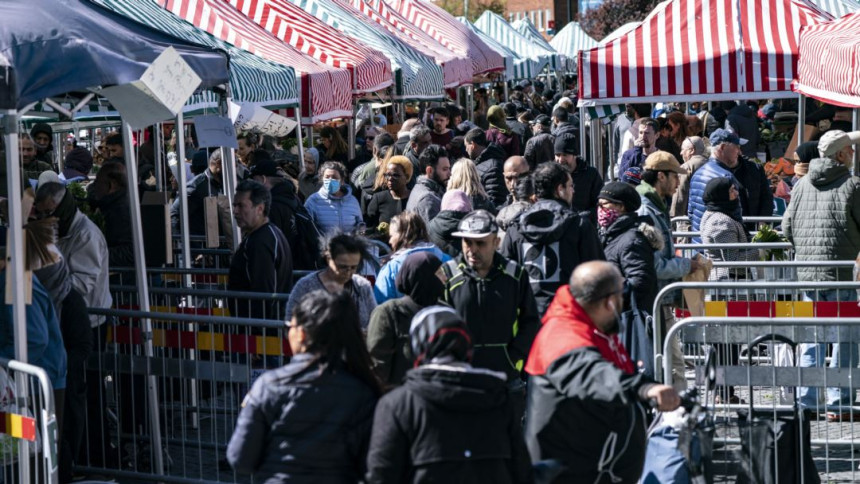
566 327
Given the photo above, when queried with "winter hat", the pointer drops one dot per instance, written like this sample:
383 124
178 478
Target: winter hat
807 151
496 118
456 201
316 154
78 162
633 175
438 333
41 128
200 161
623 193
567 144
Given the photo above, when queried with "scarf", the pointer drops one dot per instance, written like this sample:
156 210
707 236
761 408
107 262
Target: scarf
716 197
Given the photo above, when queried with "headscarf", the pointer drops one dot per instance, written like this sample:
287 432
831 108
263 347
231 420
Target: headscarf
316 154
417 278
805 153
716 197
496 118
439 335
78 162
65 213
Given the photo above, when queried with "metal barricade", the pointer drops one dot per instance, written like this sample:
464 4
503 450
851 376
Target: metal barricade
28 425
204 363
768 387
773 220
785 249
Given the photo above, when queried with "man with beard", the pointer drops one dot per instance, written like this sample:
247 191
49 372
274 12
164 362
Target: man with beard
583 383
426 197
441 134
586 180
644 145
42 135
31 167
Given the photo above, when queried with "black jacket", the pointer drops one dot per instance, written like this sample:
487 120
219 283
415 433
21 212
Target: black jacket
440 230
262 263
743 121
282 212
300 424
629 243
492 306
550 240
202 186
540 148
402 144
586 188
388 339
448 424
522 130
491 165
755 194
117 228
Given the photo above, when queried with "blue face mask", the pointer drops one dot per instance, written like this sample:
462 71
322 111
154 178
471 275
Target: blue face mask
331 185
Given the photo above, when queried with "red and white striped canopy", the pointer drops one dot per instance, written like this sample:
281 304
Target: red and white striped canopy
447 30
829 64
371 69
456 70
326 91
690 50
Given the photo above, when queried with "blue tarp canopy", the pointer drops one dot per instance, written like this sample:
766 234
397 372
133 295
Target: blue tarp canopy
52 47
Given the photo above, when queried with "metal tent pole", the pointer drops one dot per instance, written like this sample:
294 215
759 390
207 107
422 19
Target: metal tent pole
596 145
158 148
300 140
855 126
143 298
15 267
228 166
182 181
351 131
801 117
582 131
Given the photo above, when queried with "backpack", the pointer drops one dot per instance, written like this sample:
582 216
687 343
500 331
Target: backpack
305 246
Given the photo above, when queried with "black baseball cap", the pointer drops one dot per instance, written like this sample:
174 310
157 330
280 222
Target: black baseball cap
477 225
265 168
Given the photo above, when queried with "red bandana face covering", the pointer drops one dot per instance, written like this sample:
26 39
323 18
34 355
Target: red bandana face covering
606 216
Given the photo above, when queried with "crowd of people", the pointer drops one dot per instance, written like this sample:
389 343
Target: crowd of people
496 331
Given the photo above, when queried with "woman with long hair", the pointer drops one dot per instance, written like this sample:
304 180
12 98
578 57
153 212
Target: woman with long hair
343 254
332 145
673 132
464 176
310 420
407 235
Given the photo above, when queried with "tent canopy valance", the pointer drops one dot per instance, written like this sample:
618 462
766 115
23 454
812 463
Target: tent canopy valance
326 92
252 79
87 46
693 50
829 65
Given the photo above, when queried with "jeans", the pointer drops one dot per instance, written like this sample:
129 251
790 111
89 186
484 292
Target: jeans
812 355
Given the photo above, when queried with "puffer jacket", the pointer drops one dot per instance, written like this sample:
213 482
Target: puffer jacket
550 241
630 243
426 198
669 268
448 423
539 148
823 219
303 424
700 179
584 399
490 164
682 194
330 214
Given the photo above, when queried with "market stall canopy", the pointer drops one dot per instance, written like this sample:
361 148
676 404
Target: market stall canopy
326 91
496 27
828 69
559 61
572 39
416 76
516 67
252 79
85 46
619 32
694 50
443 27
837 8
456 70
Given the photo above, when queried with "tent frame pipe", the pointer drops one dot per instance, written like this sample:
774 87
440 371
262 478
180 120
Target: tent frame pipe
299 140
228 171
143 299
15 267
184 230
351 128
158 147
801 117
582 130
855 126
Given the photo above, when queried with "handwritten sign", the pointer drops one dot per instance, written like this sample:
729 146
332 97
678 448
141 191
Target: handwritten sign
160 93
215 131
249 117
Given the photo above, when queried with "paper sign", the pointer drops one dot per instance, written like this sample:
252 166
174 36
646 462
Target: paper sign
278 125
255 118
159 94
215 131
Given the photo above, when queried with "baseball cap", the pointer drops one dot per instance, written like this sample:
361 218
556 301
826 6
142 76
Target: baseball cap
663 161
542 119
265 168
835 140
477 225
721 135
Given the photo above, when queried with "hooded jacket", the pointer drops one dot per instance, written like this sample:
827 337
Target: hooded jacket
550 240
669 268
385 287
493 306
448 423
630 243
490 164
587 184
302 424
86 254
696 206
742 120
682 194
584 399
426 198
441 228
334 213
117 227
823 219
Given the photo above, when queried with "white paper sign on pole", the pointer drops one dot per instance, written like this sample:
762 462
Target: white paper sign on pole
215 131
159 94
278 125
249 117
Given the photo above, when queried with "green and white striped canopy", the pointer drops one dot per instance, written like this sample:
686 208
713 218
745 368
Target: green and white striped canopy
560 61
252 79
497 28
416 75
516 67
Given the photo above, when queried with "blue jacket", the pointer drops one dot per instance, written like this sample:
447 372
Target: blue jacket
385 287
330 214
44 339
632 157
696 206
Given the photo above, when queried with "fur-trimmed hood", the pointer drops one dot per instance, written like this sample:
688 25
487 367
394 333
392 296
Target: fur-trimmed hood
652 234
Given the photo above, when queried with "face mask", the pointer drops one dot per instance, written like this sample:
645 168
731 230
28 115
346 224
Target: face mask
331 185
606 216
